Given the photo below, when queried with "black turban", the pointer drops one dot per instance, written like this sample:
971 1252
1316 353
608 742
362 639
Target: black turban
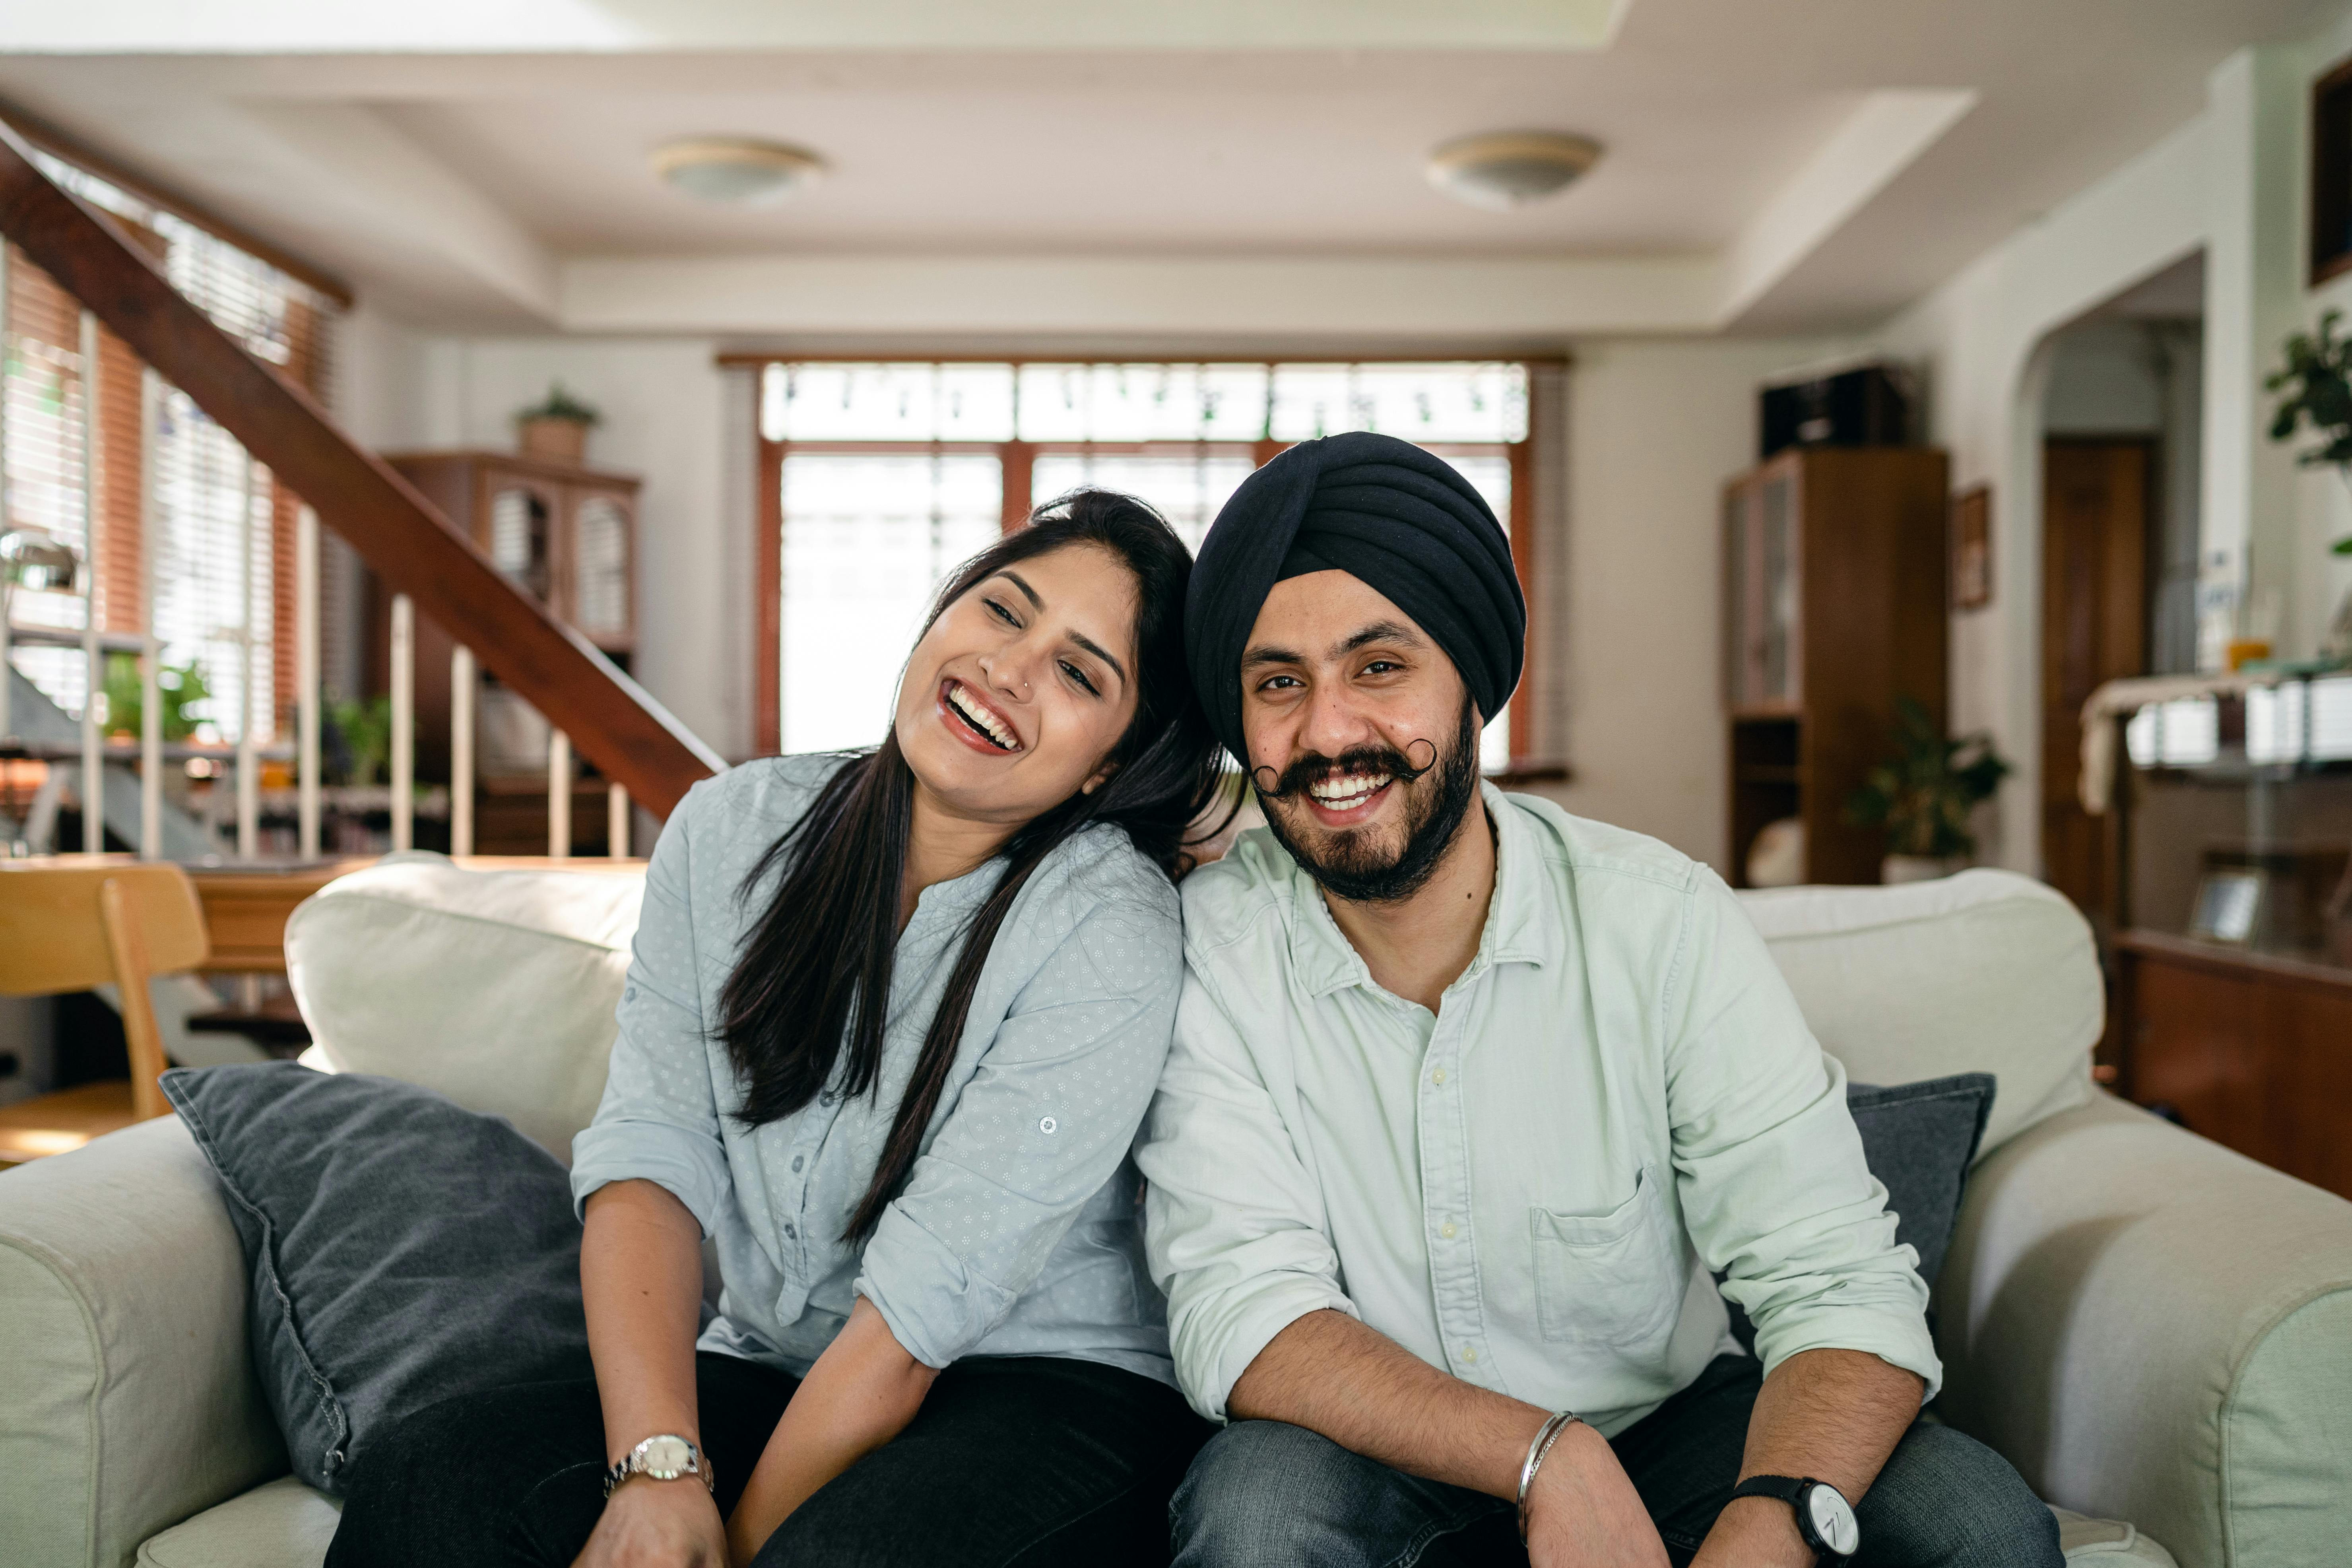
1383 510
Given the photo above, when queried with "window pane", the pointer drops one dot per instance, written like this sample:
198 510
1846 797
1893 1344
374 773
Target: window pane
1490 475
887 403
1188 487
868 541
202 490
1461 401
1142 401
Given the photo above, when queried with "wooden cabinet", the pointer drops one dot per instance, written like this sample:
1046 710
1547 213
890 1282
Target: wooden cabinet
1833 607
2252 1050
567 535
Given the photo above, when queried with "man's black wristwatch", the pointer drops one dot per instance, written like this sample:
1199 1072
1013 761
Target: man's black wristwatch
1823 1516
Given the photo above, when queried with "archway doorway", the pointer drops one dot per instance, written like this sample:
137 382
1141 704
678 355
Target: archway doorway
2120 439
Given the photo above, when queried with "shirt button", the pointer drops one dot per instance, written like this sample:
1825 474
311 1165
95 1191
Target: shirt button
790 1234
1047 1126
1446 1230
1470 1353
1438 1077
798 1161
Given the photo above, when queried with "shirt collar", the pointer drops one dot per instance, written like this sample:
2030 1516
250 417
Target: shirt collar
1523 925
957 896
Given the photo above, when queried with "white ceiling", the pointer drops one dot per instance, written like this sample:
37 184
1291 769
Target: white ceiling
1771 164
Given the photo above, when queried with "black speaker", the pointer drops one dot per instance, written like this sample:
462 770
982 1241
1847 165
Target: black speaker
1859 407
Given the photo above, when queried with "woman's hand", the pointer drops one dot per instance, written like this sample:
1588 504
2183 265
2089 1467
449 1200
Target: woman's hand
658 1524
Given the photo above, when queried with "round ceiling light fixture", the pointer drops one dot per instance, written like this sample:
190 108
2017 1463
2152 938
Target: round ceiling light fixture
1505 169
734 171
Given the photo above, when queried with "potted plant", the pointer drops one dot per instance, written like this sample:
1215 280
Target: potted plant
2317 383
1923 796
556 427
178 687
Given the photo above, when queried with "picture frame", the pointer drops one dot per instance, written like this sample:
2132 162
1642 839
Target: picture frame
2330 226
2229 905
1972 548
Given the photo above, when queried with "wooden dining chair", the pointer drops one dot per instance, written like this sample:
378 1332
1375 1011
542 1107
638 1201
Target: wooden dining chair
75 921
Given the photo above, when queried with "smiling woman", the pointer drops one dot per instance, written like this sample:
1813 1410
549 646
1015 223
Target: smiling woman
900 1101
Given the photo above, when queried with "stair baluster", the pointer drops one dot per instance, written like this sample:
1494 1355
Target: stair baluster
93 761
461 750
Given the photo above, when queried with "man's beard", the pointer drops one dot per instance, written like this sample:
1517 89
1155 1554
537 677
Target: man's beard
1350 866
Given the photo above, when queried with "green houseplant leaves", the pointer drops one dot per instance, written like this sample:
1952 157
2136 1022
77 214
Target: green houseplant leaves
1924 795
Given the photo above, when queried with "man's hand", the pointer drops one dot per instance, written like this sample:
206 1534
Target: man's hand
658 1524
1834 1414
1583 1512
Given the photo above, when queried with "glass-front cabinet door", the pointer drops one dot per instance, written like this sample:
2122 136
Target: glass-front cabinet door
1762 654
1779 655
518 532
601 560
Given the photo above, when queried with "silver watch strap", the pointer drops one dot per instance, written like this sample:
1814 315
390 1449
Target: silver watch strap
664 1457
1545 1435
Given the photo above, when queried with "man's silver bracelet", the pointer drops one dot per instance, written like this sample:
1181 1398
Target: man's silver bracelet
1544 1437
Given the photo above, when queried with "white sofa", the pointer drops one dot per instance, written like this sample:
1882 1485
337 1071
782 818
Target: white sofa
2151 1327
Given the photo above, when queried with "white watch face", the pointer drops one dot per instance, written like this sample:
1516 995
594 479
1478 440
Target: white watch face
664 1458
1832 1519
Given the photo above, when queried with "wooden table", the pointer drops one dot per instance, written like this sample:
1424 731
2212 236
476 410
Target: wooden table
2252 1049
61 1123
246 906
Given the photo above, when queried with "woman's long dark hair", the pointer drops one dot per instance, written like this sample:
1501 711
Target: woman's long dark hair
814 977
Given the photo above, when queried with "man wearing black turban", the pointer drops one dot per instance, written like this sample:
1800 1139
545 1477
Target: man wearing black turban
1463 1090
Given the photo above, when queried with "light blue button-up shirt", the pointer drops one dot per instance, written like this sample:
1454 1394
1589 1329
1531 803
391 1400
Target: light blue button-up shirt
1522 1187
1018 1232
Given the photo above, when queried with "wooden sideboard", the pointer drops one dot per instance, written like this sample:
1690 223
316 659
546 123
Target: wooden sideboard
2251 1049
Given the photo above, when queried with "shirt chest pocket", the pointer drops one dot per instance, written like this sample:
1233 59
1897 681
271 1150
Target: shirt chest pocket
1612 1279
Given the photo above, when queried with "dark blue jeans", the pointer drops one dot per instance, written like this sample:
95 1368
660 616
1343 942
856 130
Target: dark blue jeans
1266 1493
1013 1462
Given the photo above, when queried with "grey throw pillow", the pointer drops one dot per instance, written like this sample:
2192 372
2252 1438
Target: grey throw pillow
1919 1139
402 1249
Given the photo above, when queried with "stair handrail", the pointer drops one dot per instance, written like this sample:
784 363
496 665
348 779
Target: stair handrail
401 536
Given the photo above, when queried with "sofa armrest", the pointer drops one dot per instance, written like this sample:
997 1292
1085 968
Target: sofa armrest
2153 1328
124 1369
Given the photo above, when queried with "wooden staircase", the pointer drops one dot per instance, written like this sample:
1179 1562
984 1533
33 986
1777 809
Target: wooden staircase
401 536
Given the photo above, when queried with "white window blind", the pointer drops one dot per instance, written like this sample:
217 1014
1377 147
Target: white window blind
894 473
198 486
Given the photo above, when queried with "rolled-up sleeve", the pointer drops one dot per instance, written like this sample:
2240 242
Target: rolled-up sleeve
1048 1115
658 1119
1770 1172
1232 1221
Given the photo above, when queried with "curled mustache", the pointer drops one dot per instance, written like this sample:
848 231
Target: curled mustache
1314 765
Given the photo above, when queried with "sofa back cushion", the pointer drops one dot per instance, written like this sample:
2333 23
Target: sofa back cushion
1985 972
495 988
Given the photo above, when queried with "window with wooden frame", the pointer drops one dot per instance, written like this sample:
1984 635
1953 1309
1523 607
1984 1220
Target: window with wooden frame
172 493
878 478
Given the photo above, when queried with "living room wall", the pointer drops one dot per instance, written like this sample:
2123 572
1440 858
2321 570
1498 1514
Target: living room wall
2228 183
1655 427
667 418
1981 345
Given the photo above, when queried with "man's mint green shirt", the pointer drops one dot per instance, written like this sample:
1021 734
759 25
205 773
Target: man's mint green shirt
1530 1187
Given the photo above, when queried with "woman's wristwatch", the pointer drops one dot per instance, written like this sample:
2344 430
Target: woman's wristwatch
1545 1435
1824 1519
662 1458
